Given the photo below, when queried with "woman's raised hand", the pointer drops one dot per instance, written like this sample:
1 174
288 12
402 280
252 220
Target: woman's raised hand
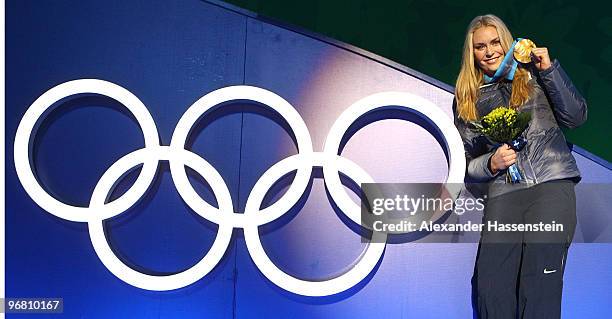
543 59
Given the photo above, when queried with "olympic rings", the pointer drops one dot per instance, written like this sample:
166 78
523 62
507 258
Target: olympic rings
179 158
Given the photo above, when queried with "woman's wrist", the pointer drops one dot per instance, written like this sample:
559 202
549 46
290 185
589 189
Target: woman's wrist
492 169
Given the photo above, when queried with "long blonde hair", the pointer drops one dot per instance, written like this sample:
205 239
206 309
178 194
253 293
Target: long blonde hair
471 76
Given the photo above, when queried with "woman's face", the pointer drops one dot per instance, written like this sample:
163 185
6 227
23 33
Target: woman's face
488 52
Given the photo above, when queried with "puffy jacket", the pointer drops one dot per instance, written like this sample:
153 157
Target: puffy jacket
554 102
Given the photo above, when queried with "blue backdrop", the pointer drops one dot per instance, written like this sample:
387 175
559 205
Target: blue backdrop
169 54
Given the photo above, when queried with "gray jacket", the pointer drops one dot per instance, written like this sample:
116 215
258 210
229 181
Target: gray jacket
554 102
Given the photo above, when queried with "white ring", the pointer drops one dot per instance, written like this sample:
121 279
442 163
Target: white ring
136 278
409 102
40 107
365 264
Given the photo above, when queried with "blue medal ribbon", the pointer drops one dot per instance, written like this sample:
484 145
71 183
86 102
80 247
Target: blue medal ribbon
507 68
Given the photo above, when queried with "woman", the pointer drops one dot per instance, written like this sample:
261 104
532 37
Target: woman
519 272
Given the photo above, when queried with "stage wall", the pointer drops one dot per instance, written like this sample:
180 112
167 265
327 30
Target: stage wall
169 54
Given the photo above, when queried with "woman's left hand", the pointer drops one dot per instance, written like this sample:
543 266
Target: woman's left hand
544 59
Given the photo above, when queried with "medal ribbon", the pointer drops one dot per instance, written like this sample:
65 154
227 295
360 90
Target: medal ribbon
507 67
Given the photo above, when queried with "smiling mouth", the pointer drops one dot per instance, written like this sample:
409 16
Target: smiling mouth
491 60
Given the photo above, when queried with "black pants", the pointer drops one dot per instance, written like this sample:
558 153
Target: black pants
520 274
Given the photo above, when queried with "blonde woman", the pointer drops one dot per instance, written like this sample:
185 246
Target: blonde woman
519 273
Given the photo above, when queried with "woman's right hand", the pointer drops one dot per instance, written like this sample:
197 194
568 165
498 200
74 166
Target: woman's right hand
503 157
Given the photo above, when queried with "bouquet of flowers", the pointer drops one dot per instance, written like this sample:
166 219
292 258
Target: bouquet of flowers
505 125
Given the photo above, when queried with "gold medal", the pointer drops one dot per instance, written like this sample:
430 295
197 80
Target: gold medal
522 50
